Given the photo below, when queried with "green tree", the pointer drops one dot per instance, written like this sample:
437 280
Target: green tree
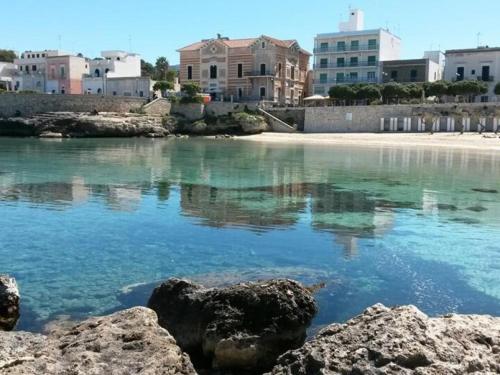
191 93
414 91
171 74
497 89
343 93
163 86
437 89
147 69
394 90
468 89
161 68
7 55
369 93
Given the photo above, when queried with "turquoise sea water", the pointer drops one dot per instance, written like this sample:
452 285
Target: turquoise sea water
90 226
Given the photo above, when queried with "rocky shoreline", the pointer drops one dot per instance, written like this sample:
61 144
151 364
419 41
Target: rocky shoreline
95 125
248 328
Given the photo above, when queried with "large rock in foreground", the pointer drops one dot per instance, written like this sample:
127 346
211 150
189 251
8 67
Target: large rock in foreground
242 327
9 303
128 342
401 340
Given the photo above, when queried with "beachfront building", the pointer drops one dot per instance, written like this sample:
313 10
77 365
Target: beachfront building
482 64
116 73
352 55
7 73
261 68
428 69
50 71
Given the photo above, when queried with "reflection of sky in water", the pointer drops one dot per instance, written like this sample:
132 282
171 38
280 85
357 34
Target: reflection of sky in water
83 219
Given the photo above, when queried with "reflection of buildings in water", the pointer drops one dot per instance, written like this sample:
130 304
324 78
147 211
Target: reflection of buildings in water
254 207
349 243
430 202
124 198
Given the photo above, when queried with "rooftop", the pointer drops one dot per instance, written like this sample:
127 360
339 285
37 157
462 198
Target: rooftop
473 50
355 33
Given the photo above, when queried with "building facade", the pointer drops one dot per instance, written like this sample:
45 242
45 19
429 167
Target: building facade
427 69
352 55
50 71
262 68
482 64
7 73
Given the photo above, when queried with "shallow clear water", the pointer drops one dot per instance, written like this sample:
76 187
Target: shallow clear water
85 221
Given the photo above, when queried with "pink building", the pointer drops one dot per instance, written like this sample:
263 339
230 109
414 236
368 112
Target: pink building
65 74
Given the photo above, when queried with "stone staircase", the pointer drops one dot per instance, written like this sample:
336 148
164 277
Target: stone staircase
277 125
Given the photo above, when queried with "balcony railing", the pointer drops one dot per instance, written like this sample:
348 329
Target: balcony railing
339 49
346 80
347 65
486 78
259 73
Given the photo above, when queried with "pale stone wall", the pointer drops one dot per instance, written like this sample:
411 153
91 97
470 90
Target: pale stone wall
295 115
158 107
367 119
28 104
191 111
225 108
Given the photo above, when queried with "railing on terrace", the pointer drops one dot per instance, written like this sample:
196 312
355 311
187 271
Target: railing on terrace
337 49
258 73
486 78
346 80
347 65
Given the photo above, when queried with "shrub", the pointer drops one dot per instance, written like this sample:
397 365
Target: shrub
497 89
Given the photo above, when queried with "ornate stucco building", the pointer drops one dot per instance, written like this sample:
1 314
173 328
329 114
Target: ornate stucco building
262 68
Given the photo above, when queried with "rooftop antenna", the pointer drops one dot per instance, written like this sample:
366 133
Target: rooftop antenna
59 38
478 40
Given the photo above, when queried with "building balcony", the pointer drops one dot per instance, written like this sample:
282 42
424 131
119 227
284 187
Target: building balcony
346 80
361 64
337 49
486 78
259 73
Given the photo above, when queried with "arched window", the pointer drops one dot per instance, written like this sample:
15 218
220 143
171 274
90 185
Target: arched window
107 71
213 72
97 73
99 91
262 69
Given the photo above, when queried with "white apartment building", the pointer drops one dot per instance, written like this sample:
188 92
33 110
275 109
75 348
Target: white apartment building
31 70
116 73
352 55
482 64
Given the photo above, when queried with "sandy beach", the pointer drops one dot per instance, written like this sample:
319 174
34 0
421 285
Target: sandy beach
488 142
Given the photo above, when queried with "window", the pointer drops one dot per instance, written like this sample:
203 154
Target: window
97 73
118 59
43 54
340 62
263 45
114 93
21 68
262 69
355 45
413 75
323 78
141 93
62 71
240 93
33 68
99 91
371 76
323 46
213 72
372 60
37 55
485 73
106 71
240 70
319 90
29 56
280 69
340 46
190 72
27 68
354 61
353 76
484 99
52 72
394 75
262 92
473 72
460 73
323 63
340 77
372 44
292 73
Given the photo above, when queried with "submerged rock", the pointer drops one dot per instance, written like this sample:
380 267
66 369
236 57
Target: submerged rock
400 340
128 342
242 327
9 303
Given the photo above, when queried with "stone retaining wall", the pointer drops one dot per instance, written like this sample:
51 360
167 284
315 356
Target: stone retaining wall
367 119
290 115
225 108
29 104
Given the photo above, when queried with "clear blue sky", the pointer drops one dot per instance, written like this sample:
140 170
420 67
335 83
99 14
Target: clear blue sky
159 27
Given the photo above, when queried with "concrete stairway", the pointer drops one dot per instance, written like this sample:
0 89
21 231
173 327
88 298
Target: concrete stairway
277 125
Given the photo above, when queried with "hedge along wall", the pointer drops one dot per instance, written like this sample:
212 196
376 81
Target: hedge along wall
29 104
